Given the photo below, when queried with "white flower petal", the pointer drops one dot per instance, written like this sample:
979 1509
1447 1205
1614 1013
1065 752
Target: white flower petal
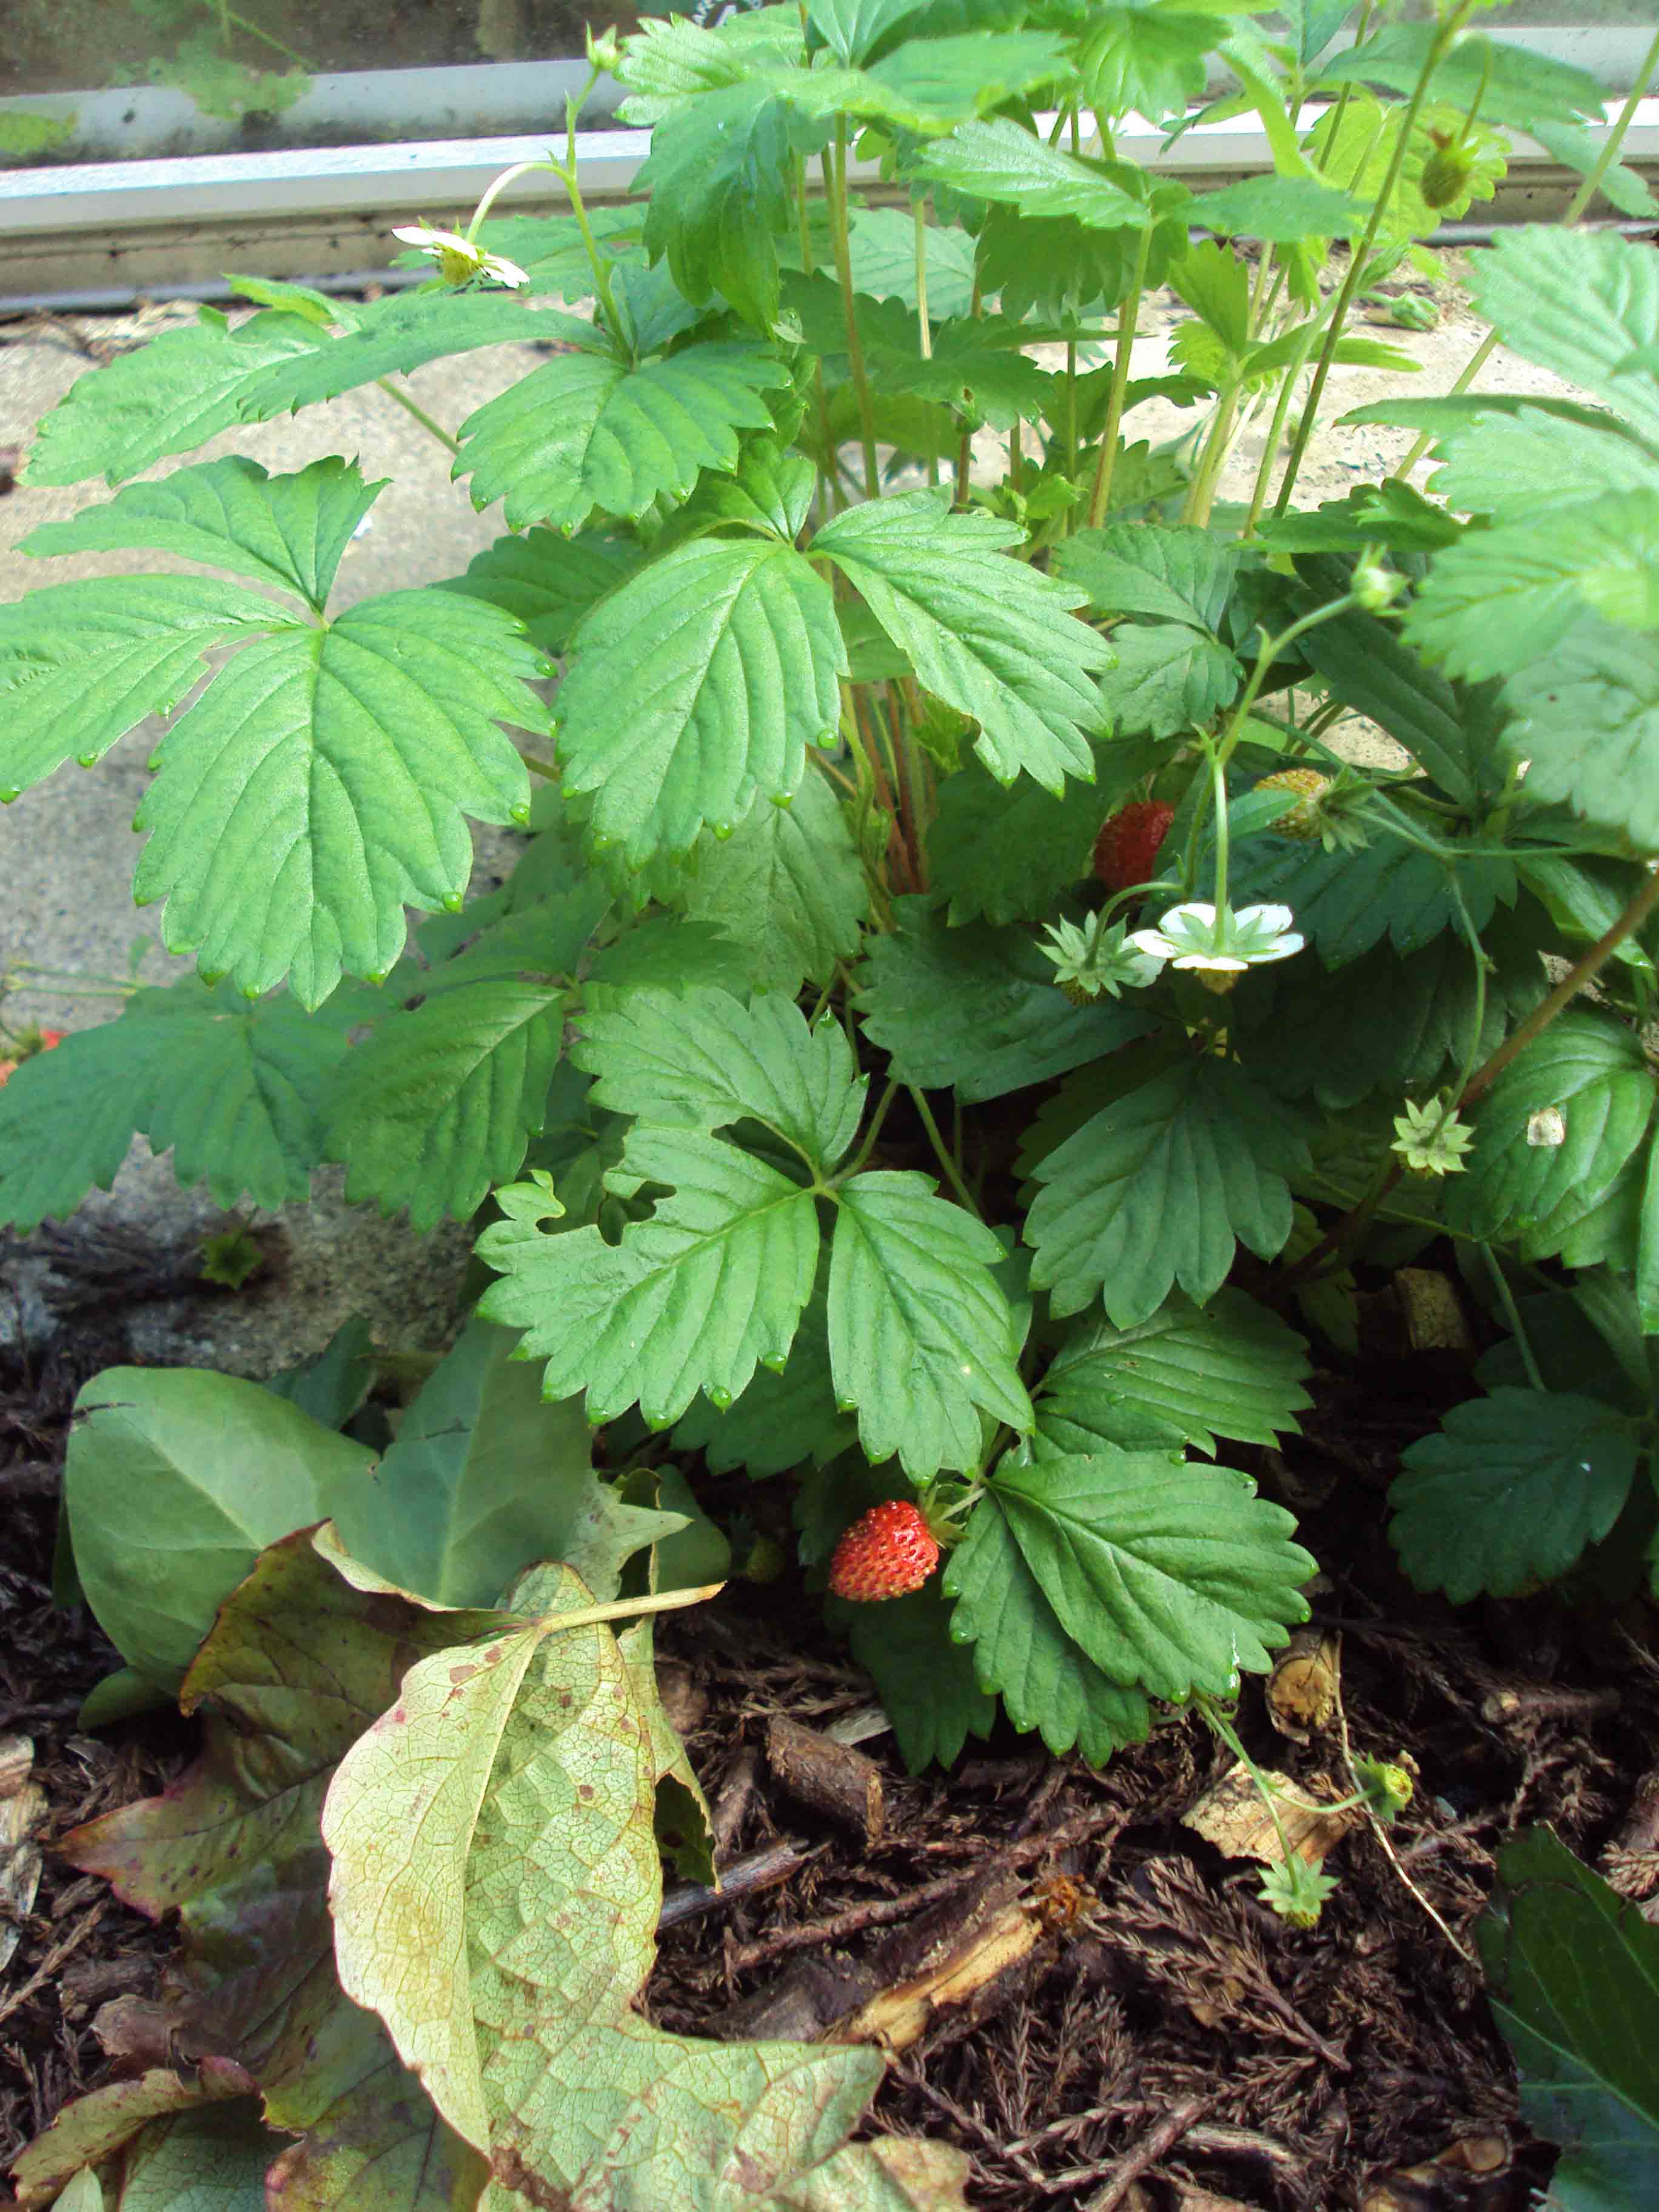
1195 910
1274 918
1219 963
1153 944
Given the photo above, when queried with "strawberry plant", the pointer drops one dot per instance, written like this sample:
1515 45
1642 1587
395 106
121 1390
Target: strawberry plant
958 1008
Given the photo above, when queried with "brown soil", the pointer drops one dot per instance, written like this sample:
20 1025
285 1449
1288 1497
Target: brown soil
1168 2045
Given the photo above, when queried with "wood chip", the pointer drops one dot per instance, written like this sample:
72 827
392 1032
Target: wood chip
1231 1816
1305 1688
831 1777
22 1812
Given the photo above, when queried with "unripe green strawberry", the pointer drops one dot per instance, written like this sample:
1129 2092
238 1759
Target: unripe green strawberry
1079 993
1301 821
765 1561
1127 847
887 1552
1445 177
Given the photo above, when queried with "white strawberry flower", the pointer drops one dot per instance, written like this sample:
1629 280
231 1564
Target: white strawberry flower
461 260
1222 943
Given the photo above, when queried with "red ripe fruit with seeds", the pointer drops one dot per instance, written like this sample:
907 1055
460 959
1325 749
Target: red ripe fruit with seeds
887 1552
1128 845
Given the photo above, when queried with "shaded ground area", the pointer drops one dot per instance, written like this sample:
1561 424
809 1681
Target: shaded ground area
1158 2041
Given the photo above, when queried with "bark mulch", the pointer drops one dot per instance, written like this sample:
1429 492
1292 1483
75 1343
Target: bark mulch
1147 2035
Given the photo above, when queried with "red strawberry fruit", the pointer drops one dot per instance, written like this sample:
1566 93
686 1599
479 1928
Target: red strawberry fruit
1128 845
887 1552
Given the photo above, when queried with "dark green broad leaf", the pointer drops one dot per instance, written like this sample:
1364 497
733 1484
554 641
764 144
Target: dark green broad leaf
786 885
1346 902
1506 599
787 1418
1510 1491
1000 161
1572 1974
1166 574
696 688
1169 679
1581 303
976 364
1278 210
286 532
1185 1376
1554 1165
585 433
1021 1652
1007 855
80 665
718 176
1515 86
924 1678
1159 1186
1173 1578
770 491
175 1481
988 633
484 1479
321 784
922 1339
1586 719
239 1093
331 1386
975 1009
882 244
547 581
1388 514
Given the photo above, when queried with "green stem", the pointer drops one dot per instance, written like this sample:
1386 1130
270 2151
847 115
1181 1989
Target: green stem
835 179
953 1174
1216 1720
629 1609
1359 260
1201 492
1276 430
1222 831
496 187
883 1105
1575 207
1128 316
924 322
829 491
1512 1315
410 407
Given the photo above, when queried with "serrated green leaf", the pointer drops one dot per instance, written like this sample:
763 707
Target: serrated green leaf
1021 1652
1572 1969
174 1481
882 245
321 782
1586 721
437 1107
80 665
1346 902
921 1337
1541 1181
770 489
1173 1578
1530 463
164 397
975 1009
1148 60
1007 855
239 1091
547 580
1168 679
696 688
855 29
705 1061
1001 161
1579 149
1167 573
288 530
1579 303
670 61
1156 1188
1187 1375
788 886
1278 210
987 634
695 1298
584 434
665 952
1513 85
1356 143
1510 1490
927 84
924 1679
785 1418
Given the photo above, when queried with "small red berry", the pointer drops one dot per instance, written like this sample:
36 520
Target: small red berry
887 1552
1127 847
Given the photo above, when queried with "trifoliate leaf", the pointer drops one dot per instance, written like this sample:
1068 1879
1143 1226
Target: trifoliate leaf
239 1091
924 1679
1156 1187
1000 161
1162 572
320 785
1554 1137
788 886
1586 721
437 1107
975 1009
1007 855
1021 1650
1572 1969
696 689
922 1338
1168 679
289 531
82 664
695 1298
1581 303
586 433
1173 1578
989 635
785 1417
1510 1490
1189 1375
546 581
706 1060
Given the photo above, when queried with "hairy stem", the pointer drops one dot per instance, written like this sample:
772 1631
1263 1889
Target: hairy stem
410 407
952 1173
834 178
1128 315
